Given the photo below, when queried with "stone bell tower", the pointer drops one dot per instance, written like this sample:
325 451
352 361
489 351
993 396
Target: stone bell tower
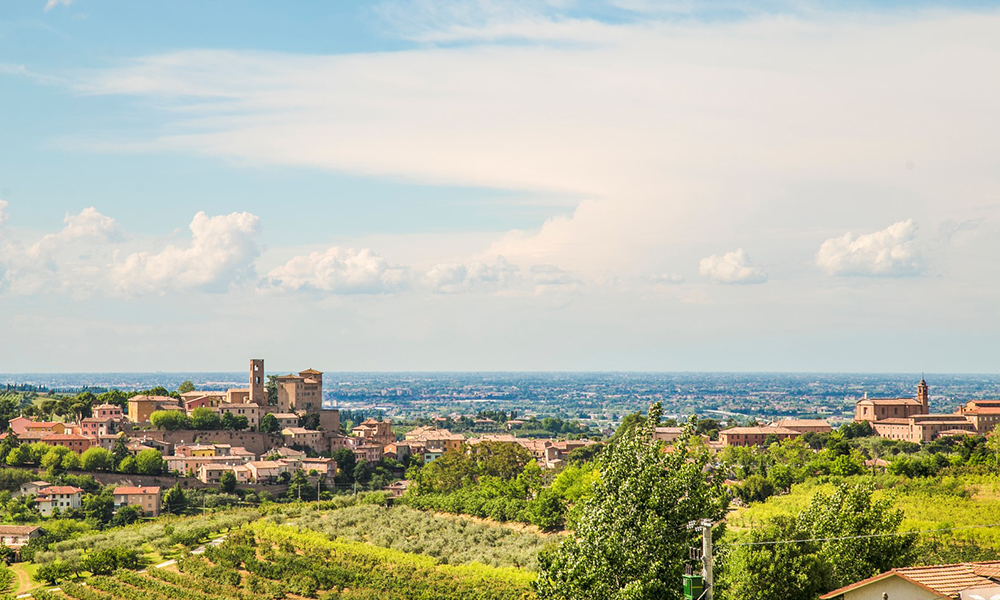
924 396
258 395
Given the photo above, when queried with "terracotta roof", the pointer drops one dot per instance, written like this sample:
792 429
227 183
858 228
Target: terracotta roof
59 489
312 372
946 580
296 431
130 490
891 401
18 529
948 432
760 430
894 421
63 437
800 423
264 464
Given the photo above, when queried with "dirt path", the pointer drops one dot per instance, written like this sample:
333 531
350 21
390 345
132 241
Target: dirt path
23 582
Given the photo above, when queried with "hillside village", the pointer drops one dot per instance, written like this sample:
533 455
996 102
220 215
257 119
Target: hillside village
257 435
271 439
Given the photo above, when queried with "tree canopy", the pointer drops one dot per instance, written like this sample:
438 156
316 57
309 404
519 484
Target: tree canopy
632 540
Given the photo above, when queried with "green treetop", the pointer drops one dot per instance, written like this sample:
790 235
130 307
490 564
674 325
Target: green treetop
633 540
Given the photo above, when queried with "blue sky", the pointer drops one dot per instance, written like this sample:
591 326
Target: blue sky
527 185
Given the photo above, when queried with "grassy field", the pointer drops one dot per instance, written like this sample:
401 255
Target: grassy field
928 504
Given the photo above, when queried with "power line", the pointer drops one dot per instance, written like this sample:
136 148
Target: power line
859 537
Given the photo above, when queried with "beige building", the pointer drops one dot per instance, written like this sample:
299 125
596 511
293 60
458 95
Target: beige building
323 466
251 411
754 436
436 440
146 498
923 428
265 471
140 407
305 438
877 409
375 432
804 425
63 497
302 393
965 581
910 420
31 488
667 435
368 452
16 536
212 472
286 420
983 414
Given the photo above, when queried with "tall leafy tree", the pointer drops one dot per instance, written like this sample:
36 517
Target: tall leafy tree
185 387
632 541
175 500
227 482
96 458
820 559
850 511
169 420
150 462
269 424
761 569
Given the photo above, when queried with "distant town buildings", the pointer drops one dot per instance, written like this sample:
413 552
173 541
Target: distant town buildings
910 419
146 498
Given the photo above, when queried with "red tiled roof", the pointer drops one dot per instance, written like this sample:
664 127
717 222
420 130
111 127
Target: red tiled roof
891 401
800 423
761 431
59 489
946 580
129 490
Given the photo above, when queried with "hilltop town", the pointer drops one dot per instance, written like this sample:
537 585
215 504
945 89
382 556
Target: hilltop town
121 460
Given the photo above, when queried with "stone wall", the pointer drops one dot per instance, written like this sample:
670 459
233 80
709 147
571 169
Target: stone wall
254 441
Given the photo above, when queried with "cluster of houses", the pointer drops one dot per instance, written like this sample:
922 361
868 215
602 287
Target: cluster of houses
903 419
50 497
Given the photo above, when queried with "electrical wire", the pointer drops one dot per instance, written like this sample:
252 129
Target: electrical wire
860 537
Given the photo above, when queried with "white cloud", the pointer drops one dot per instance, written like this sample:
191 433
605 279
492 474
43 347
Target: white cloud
54 3
88 225
636 122
3 211
221 253
667 279
456 277
340 271
70 260
731 267
891 252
